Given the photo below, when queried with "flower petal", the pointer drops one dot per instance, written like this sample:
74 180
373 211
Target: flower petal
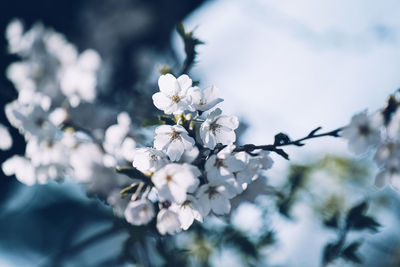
168 84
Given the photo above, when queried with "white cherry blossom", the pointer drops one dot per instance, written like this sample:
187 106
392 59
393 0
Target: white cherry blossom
117 143
218 128
5 138
215 197
168 222
173 97
206 99
78 80
363 132
222 166
139 212
21 167
187 212
175 180
389 175
31 120
149 160
387 152
173 140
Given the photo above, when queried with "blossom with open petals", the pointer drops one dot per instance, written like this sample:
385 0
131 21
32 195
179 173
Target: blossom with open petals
149 160
218 128
204 99
175 180
215 197
223 165
168 222
187 212
173 140
363 132
173 97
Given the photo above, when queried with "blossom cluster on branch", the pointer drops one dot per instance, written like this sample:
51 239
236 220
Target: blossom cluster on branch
380 133
186 187
68 133
193 167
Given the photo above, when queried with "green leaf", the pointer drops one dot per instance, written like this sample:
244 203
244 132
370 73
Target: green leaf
239 240
330 253
350 252
190 43
134 174
266 239
128 190
333 221
357 220
165 119
356 212
364 222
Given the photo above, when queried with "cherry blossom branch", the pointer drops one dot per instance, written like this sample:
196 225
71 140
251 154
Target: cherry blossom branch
282 139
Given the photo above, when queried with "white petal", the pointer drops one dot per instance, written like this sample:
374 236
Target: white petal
186 217
395 181
175 150
231 122
161 141
164 129
220 205
5 138
225 136
168 84
185 82
161 101
381 179
187 141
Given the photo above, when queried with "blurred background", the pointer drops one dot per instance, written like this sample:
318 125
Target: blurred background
281 67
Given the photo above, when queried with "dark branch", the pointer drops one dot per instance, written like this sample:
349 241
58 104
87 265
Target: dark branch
280 142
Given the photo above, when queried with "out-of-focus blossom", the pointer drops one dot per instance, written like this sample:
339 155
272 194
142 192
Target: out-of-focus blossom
168 222
117 142
389 175
363 132
139 212
5 138
21 168
78 80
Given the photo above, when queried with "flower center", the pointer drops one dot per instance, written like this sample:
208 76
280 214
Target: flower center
39 122
175 135
176 99
219 163
364 130
144 209
153 157
168 178
214 127
201 103
211 192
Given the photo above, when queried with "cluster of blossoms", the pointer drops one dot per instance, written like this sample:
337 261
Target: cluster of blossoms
57 88
192 168
380 132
